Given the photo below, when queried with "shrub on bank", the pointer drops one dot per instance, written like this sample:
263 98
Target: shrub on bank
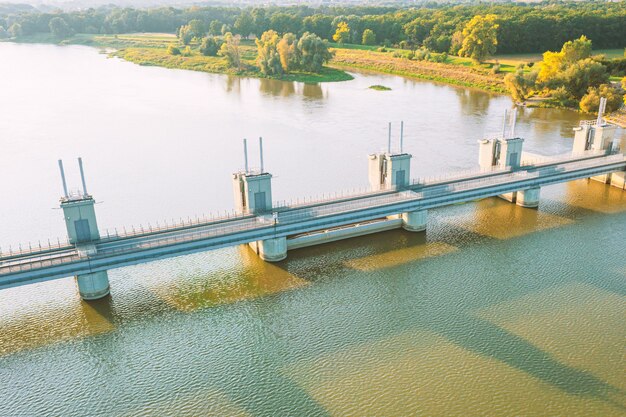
172 50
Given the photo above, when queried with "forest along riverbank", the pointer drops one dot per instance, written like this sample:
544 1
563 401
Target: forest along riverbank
518 77
150 49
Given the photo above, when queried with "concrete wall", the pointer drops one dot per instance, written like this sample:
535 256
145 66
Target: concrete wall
396 164
511 152
603 137
374 171
245 190
383 170
581 136
76 210
486 148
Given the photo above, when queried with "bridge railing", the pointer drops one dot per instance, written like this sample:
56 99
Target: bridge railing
35 263
190 222
458 175
32 248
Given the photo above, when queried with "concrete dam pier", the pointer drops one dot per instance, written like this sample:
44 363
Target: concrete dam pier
271 229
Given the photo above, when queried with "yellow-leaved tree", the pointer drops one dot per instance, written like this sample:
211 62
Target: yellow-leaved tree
342 34
480 37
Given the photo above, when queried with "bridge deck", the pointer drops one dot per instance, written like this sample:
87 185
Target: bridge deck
143 246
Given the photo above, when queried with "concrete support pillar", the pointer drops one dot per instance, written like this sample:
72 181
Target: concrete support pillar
528 198
510 197
618 179
414 221
93 286
271 250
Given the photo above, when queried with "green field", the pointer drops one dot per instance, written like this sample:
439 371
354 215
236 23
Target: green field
515 59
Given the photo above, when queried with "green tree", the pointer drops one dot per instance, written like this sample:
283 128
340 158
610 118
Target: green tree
185 34
480 37
576 50
369 38
591 101
230 50
285 23
260 20
320 24
342 34
268 58
3 33
197 28
15 30
456 42
215 28
210 46
59 28
314 52
520 84
417 30
289 52
244 24
578 77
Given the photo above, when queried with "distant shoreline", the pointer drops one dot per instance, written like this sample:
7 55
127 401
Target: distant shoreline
150 49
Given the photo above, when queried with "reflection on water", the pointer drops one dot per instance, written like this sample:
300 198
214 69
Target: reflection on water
277 88
286 88
471 103
232 84
312 91
495 310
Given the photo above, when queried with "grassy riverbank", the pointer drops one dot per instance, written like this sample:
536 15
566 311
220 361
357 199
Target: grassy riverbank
462 72
150 49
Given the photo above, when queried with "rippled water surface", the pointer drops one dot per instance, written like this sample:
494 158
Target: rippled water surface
496 310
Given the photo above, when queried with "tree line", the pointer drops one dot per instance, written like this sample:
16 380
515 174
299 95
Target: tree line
520 28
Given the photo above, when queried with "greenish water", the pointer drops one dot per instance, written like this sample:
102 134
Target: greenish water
495 310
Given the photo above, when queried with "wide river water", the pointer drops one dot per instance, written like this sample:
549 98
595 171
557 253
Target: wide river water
496 310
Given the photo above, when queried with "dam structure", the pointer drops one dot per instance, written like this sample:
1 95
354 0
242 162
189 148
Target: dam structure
272 229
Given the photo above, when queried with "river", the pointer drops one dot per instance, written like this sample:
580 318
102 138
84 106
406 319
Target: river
496 310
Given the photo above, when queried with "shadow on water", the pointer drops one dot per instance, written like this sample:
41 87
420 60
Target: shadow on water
455 322
491 341
392 296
